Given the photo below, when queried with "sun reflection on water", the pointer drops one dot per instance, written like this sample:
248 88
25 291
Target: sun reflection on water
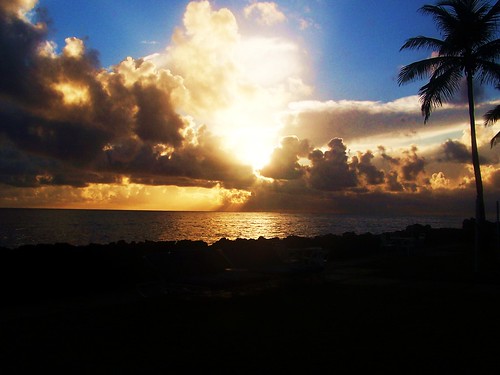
81 227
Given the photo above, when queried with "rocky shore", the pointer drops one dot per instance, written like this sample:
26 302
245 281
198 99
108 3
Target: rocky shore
406 302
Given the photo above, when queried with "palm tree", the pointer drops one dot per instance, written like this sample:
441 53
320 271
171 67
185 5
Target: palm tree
469 49
490 118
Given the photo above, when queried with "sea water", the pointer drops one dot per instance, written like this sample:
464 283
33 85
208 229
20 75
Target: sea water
81 227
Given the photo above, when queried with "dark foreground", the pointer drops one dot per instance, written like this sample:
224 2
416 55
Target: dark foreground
401 310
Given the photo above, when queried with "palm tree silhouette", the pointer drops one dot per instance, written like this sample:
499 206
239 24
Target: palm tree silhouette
469 49
490 118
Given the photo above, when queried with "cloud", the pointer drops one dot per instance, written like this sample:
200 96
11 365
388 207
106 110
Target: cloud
17 8
233 83
280 197
156 119
199 116
407 171
284 163
304 23
330 170
66 116
439 181
266 13
456 151
363 163
360 121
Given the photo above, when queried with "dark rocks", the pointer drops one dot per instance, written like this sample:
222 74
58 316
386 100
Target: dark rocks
43 271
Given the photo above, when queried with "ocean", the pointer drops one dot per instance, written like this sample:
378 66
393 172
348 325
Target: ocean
82 227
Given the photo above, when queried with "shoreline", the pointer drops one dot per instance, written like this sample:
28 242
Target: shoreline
82 227
56 272
370 308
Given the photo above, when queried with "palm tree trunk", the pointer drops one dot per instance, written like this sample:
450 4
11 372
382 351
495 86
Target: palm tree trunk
480 211
480 240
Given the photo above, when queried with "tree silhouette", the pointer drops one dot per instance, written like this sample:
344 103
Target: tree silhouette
490 118
468 48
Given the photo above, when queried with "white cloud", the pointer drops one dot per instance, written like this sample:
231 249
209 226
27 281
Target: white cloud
363 121
266 13
234 83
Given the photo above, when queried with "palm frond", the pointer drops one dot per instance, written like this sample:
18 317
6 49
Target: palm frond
489 50
492 116
488 71
487 20
468 46
422 42
495 140
493 15
465 23
445 21
440 87
422 69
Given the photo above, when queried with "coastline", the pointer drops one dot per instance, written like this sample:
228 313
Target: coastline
372 307
81 227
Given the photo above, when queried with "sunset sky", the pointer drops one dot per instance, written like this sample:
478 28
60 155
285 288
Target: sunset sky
229 105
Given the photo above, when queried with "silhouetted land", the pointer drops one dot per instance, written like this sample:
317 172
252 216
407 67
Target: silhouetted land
404 302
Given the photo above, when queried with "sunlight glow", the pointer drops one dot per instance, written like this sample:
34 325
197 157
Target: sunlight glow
73 94
128 195
269 70
268 61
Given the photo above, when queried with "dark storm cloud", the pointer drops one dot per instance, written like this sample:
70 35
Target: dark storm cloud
156 118
392 182
64 140
400 202
69 122
29 170
456 151
412 165
333 170
284 163
363 163
191 165
330 170
19 42
18 169
336 183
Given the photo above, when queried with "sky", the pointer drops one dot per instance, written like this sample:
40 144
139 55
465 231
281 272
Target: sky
229 105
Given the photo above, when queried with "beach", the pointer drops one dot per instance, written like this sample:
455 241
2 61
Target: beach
417 310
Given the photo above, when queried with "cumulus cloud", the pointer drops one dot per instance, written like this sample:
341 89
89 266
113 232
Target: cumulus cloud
439 181
267 13
234 83
456 151
363 163
17 8
72 118
407 171
330 170
284 163
185 116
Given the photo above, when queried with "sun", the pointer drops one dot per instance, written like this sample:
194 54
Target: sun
235 82
253 147
266 78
